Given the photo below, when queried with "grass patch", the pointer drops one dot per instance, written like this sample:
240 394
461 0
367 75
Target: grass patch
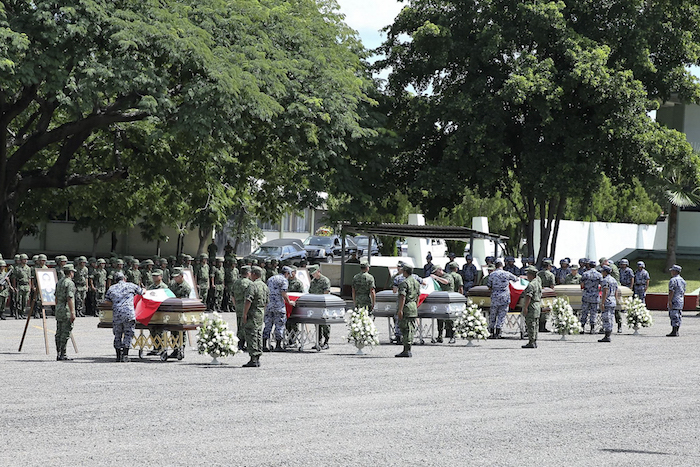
660 277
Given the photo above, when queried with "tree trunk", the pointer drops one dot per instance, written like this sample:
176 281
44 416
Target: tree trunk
158 247
9 236
113 248
95 238
557 220
180 242
204 234
672 238
530 227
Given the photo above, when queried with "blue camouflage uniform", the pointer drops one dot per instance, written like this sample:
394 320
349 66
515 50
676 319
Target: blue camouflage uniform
677 286
626 275
275 311
560 275
610 284
641 276
511 267
469 274
122 295
590 281
498 281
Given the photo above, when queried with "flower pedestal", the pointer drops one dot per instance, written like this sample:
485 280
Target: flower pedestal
636 330
215 357
470 343
563 337
359 346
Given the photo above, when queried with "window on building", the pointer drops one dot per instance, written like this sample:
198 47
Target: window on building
270 226
296 222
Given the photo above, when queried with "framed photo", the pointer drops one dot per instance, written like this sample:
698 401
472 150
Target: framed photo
46 280
188 275
303 276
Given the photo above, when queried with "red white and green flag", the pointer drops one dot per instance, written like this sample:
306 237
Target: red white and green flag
147 304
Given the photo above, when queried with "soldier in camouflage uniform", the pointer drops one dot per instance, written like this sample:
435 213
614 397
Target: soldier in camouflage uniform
118 268
219 277
203 278
563 271
133 274
36 291
626 279
573 278
459 288
146 273
98 281
65 311
640 284
447 284
469 274
239 288
590 283
532 306
257 296
163 266
608 286
320 285
178 285
81 282
510 266
363 288
499 281
5 287
407 306
21 276
212 250
122 294
230 276
156 333
60 264
676 296
548 280
615 270
275 312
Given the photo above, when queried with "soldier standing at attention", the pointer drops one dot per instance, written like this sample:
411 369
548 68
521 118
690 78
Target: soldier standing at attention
469 273
65 311
133 274
608 300
240 286
60 264
203 278
119 267
510 266
163 263
36 290
320 285
218 278
212 250
563 271
626 279
122 294
146 273
230 276
5 287
275 312
590 283
640 282
573 277
81 282
676 295
363 289
429 267
548 280
452 257
21 276
498 282
98 280
256 298
532 306
447 284
407 307
228 250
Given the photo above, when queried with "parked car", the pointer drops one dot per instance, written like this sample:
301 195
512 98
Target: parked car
327 249
362 241
284 250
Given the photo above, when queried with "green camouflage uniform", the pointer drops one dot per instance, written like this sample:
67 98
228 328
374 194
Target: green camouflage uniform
4 291
180 290
219 278
363 283
203 282
22 275
548 280
99 280
534 291
446 324
239 288
80 281
572 279
409 288
147 278
295 285
65 289
133 276
230 277
258 295
321 286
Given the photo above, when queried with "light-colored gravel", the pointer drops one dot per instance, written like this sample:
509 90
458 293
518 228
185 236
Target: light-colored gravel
630 402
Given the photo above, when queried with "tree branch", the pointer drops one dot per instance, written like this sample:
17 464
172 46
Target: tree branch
47 181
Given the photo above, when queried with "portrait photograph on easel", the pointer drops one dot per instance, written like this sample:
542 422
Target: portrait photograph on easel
46 281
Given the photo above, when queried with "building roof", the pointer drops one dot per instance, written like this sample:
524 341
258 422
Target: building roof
419 231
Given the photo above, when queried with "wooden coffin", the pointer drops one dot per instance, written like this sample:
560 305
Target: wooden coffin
173 311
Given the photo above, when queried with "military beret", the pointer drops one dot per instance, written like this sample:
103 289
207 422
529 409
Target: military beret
364 264
676 268
101 261
313 268
69 267
257 270
607 269
23 256
42 257
245 269
157 272
407 268
286 270
531 270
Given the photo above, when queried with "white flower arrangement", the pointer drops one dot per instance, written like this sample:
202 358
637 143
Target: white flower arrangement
214 337
564 319
471 323
361 328
637 313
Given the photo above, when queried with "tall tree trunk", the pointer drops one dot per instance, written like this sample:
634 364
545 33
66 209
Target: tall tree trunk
557 220
113 248
158 247
95 238
204 235
9 235
672 238
530 227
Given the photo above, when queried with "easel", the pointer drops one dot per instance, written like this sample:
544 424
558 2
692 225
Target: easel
46 335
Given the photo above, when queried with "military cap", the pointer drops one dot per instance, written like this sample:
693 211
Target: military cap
82 259
451 255
18 257
23 256
641 263
531 270
625 261
220 259
547 262
575 267
453 265
120 261
35 257
203 256
607 269
42 257
163 261
2 264
177 272
602 260
257 270
407 268
591 262
135 261
157 272
286 270
101 261
187 257
119 276
69 267
676 268
92 259
582 260
313 268
364 264
147 262
468 257
254 262
245 269
400 264
172 258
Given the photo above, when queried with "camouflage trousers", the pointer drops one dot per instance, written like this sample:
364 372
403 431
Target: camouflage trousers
408 329
123 333
397 328
448 325
278 318
641 293
240 331
497 315
203 292
22 297
607 315
253 334
532 321
589 310
219 297
676 317
63 329
324 331
80 296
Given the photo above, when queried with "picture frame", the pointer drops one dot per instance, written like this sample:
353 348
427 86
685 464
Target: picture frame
188 275
303 277
46 280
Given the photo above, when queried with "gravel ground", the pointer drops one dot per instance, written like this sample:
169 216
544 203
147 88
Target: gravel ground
574 402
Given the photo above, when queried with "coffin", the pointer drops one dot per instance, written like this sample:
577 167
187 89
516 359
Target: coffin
481 295
173 311
574 293
385 304
319 309
442 305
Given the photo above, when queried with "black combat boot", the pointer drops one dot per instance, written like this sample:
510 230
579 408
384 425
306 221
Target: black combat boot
497 334
119 355
606 338
529 345
492 334
406 352
266 348
674 332
254 362
125 355
619 328
278 347
324 346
